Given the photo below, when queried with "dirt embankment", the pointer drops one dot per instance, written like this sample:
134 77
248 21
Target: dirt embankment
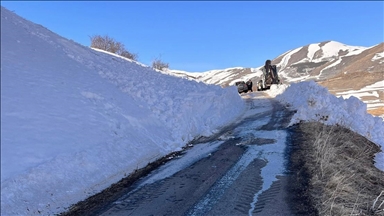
332 170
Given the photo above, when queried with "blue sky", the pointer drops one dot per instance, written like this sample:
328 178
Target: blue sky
198 36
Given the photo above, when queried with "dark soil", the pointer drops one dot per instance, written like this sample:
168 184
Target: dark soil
347 185
299 195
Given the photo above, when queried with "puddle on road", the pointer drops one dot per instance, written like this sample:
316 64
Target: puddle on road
262 141
256 141
191 156
273 154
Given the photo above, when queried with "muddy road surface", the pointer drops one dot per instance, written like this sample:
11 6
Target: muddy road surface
240 171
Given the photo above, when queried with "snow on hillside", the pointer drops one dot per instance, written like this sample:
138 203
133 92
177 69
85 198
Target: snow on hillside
317 53
75 120
312 49
331 51
378 56
287 55
338 61
371 90
214 76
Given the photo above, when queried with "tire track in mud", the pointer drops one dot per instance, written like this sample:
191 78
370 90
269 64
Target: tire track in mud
273 200
280 117
269 199
175 194
241 192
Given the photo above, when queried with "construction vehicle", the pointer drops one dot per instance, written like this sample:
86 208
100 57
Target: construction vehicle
269 79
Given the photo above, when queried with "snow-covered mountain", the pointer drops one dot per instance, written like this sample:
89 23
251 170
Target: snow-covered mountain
322 61
339 67
318 61
224 77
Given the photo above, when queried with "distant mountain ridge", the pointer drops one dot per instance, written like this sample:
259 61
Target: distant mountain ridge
325 60
319 61
332 64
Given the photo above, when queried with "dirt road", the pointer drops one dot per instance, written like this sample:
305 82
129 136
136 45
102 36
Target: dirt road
228 180
240 171
256 166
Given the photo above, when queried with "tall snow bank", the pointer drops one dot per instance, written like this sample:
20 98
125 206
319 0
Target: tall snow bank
314 103
75 120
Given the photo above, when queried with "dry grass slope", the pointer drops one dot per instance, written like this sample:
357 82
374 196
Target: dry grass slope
342 177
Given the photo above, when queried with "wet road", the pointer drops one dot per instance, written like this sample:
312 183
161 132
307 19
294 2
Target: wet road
240 171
